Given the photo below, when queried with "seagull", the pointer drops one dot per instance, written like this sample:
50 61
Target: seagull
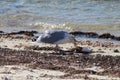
56 37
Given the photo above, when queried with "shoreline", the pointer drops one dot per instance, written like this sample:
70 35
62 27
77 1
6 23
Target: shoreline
82 34
16 50
113 29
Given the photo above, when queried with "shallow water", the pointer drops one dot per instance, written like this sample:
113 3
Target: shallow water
90 15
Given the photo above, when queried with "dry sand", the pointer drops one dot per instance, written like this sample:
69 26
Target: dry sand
20 72
101 64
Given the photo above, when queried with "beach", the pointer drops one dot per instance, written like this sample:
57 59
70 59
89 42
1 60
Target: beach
22 59
94 24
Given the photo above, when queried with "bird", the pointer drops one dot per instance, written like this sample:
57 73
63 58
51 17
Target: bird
56 37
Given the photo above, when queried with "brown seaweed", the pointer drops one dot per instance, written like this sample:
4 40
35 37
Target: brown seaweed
87 34
65 63
95 35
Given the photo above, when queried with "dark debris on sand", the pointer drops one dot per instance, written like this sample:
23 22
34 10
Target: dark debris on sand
75 33
36 47
65 63
1 32
69 51
116 51
27 33
95 35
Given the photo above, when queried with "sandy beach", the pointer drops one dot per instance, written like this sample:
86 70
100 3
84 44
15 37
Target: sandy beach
20 59
92 27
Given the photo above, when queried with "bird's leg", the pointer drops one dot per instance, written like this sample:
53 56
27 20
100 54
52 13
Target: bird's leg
75 44
56 48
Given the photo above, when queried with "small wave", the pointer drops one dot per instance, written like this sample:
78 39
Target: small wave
49 26
74 27
113 29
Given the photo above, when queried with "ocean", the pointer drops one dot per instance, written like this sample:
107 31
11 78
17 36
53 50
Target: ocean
70 15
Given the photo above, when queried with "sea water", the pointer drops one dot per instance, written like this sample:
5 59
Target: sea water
70 15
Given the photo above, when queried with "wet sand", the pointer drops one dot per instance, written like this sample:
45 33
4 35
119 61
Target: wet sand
21 59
